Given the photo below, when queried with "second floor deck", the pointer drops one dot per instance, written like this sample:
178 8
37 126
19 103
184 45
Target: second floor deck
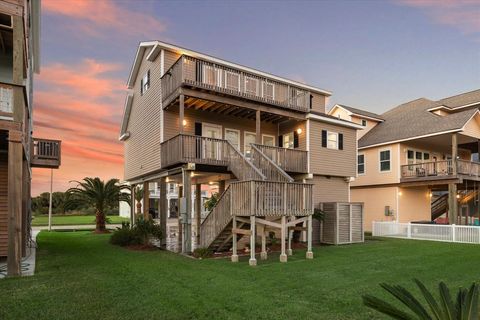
440 170
200 74
218 152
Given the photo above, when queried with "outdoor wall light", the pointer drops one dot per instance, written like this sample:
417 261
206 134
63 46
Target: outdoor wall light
184 123
458 196
399 193
299 130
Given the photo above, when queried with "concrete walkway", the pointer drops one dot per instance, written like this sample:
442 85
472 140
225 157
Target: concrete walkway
76 227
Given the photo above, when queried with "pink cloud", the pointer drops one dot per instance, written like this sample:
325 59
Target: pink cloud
70 106
463 15
96 16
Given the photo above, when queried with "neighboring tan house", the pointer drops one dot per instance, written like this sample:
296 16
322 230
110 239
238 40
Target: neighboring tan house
19 152
419 161
192 119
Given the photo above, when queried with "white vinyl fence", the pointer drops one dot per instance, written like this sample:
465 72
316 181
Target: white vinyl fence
434 232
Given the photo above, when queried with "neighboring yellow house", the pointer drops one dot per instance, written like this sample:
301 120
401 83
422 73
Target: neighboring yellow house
418 161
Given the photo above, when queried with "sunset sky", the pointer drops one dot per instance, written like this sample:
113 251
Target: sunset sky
373 55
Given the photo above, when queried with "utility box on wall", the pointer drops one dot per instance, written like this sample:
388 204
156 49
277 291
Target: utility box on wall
343 223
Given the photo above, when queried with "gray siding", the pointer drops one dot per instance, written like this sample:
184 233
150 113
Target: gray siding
142 148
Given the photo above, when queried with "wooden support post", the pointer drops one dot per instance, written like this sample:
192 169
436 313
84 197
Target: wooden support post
283 255
452 203
290 235
252 261
263 253
162 211
180 231
234 241
454 153
258 134
25 206
221 187
181 111
15 170
146 201
309 237
132 204
198 211
187 217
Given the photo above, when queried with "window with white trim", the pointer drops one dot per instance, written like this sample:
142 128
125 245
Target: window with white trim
364 122
233 136
332 140
288 140
361 164
385 160
268 140
145 83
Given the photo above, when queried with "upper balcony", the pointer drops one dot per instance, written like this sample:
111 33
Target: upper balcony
223 80
437 171
46 153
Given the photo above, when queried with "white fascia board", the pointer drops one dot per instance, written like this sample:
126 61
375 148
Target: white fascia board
126 113
334 121
226 63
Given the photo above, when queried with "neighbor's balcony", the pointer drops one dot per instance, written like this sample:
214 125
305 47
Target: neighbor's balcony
204 75
440 170
46 153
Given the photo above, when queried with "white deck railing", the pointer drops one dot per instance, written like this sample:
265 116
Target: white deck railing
434 232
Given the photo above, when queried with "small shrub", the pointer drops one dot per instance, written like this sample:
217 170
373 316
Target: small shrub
141 233
202 253
125 237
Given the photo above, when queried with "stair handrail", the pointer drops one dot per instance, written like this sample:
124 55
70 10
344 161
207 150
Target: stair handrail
284 177
216 220
258 175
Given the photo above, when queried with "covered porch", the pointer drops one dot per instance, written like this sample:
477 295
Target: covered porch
448 164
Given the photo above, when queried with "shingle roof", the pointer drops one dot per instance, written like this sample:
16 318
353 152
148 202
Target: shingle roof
412 119
362 112
460 100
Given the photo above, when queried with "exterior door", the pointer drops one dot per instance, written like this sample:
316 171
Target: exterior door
212 146
249 138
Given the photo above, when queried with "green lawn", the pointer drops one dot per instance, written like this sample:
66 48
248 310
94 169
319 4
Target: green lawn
65 220
81 276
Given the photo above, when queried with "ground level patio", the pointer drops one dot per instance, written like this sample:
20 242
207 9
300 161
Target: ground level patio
81 276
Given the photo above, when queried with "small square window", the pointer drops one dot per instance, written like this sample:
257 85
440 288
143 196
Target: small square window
364 122
145 83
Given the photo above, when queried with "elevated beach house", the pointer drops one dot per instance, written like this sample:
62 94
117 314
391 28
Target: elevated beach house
419 160
193 119
19 151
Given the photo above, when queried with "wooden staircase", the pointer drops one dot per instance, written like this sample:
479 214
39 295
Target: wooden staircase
263 189
439 206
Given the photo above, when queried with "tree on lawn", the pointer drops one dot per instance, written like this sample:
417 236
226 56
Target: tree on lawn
138 199
99 195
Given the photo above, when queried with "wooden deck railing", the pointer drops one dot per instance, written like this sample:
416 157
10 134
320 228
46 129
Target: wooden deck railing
259 198
440 169
269 168
223 79
290 160
196 149
270 198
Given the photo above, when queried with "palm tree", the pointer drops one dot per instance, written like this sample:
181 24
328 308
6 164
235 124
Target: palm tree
138 199
465 306
98 194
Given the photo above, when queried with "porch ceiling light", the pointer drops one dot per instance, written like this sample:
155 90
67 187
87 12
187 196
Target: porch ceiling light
299 130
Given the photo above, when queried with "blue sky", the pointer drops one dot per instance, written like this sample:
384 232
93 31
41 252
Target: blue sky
370 54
